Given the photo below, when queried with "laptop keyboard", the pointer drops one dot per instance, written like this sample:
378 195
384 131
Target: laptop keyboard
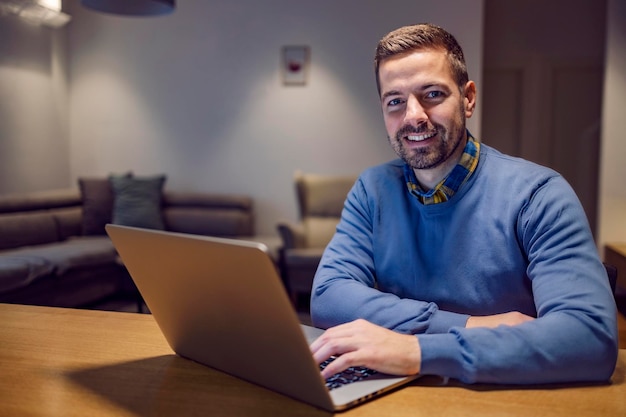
352 374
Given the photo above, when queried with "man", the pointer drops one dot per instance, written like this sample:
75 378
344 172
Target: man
457 260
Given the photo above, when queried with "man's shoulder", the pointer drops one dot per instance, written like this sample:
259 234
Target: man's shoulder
509 175
393 168
497 160
382 175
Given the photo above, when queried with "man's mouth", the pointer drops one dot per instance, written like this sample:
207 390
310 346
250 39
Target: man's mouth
421 137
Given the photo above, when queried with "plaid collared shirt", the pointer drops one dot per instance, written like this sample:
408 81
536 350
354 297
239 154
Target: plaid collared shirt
450 184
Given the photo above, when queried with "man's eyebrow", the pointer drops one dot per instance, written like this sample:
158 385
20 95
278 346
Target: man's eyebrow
389 94
441 86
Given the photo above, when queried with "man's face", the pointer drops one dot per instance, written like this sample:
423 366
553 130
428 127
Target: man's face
423 108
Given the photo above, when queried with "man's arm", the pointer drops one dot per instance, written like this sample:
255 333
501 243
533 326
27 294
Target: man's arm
507 319
361 343
574 337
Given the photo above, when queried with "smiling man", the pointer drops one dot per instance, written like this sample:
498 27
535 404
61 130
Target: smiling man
457 260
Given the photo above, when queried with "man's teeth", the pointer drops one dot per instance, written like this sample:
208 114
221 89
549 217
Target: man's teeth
419 138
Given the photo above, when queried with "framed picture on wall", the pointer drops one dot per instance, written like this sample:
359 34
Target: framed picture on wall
295 64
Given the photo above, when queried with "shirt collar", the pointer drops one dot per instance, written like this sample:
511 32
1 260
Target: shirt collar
447 187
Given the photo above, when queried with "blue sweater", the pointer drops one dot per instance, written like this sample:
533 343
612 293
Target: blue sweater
513 238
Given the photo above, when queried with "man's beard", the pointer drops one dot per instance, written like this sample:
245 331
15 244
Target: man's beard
426 157
430 156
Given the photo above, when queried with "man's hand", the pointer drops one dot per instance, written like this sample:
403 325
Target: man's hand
361 343
512 318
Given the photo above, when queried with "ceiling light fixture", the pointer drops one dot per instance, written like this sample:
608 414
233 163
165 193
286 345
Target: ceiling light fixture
39 12
131 7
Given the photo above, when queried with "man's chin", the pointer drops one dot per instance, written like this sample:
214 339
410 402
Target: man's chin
419 159
422 164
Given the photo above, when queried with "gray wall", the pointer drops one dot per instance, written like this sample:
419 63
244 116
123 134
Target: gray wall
197 94
34 140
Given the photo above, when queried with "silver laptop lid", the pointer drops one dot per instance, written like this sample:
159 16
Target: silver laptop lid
220 302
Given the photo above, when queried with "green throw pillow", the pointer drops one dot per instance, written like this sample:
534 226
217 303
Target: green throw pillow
137 201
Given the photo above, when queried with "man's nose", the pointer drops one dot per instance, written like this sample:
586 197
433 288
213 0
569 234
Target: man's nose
415 112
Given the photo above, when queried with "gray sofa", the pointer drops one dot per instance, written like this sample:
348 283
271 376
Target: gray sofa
49 257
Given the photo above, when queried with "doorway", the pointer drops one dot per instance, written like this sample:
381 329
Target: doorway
543 81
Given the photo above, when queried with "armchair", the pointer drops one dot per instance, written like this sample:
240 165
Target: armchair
320 200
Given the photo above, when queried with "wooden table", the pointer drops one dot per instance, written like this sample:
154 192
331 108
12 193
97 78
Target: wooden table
64 362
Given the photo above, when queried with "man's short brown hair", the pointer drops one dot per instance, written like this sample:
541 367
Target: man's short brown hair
422 36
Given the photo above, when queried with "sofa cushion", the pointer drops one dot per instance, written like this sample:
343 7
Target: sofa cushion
207 200
97 198
69 221
17 271
76 252
137 201
39 200
29 228
214 222
320 230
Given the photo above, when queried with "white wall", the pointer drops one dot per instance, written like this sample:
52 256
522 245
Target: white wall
197 94
612 205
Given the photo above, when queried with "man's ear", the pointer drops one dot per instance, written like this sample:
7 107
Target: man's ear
469 98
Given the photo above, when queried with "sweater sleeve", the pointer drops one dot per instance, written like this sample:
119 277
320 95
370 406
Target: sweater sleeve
345 288
574 337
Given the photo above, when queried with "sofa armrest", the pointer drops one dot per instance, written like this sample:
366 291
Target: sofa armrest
300 265
292 234
304 257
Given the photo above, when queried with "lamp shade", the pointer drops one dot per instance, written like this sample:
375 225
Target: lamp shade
132 7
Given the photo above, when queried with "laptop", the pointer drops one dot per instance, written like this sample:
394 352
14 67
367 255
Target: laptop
220 302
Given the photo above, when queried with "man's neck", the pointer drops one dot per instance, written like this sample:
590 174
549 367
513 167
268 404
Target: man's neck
429 178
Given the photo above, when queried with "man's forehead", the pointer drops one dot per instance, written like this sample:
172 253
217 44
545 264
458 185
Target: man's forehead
423 66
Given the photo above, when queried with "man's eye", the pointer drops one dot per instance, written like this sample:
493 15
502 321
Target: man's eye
394 102
434 94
